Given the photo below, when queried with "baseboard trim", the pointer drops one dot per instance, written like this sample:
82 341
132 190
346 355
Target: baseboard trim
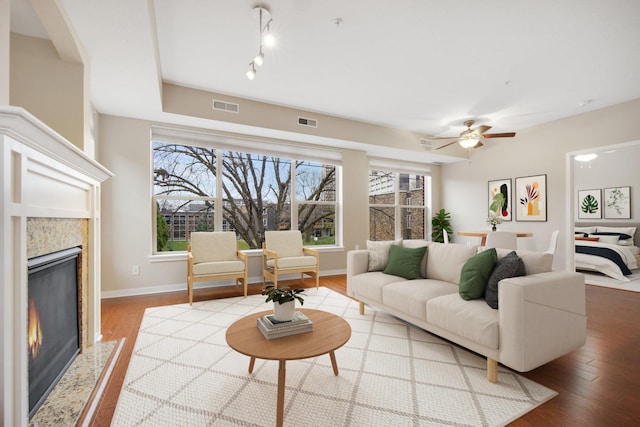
150 290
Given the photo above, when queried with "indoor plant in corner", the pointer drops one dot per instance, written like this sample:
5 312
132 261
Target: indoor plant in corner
441 221
283 301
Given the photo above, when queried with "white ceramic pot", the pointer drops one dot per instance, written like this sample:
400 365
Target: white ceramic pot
284 312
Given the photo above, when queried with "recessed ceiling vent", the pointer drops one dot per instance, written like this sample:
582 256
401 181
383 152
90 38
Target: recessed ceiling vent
304 121
426 143
229 107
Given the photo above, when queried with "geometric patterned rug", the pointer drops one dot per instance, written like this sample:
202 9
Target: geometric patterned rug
183 373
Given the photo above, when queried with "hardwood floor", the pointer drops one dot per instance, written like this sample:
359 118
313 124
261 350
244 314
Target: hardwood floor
597 384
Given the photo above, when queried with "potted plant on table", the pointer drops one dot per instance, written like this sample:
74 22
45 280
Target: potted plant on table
283 301
493 220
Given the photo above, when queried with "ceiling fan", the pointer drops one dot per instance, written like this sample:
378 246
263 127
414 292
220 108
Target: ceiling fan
470 138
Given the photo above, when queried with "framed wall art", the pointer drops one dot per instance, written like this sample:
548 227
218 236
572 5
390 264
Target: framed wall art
589 204
617 203
500 198
531 198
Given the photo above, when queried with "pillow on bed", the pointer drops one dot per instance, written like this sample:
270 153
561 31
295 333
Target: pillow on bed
586 230
631 231
626 242
581 234
603 238
621 236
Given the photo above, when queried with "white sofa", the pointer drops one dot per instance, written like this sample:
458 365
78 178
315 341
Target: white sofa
541 316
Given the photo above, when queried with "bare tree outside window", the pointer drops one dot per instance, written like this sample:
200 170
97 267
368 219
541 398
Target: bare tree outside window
255 194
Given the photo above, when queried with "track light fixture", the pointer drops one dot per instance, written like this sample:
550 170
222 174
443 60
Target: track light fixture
262 13
251 74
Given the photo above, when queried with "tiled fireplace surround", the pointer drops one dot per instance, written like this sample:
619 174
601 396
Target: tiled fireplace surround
51 201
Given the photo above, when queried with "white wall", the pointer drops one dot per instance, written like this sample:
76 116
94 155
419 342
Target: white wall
124 148
537 150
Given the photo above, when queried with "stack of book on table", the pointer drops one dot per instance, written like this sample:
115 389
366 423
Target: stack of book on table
272 328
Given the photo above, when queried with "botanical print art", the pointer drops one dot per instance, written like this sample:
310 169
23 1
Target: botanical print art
617 203
589 204
500 198
531 198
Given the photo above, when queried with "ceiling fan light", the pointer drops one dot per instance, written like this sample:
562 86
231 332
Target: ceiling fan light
469 143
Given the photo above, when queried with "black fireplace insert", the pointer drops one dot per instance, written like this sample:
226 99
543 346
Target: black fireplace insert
53 332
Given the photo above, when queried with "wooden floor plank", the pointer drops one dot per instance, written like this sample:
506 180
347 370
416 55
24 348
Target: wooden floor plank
597 384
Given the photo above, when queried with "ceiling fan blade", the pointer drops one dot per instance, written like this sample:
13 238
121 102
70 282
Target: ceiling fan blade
446 145
481 129
499 135
478 145
445 137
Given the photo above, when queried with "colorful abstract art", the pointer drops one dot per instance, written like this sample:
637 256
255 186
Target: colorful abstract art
500 198
531 198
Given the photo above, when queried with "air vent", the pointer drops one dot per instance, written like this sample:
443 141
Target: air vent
229 107
427 143
304 121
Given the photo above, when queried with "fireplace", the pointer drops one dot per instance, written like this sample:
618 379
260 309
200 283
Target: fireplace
53 331
49 186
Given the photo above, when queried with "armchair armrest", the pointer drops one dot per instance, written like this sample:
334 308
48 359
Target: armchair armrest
243 256
310 251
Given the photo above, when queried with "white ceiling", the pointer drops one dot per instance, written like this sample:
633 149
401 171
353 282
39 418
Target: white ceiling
420 65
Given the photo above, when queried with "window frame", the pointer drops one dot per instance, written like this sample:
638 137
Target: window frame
222 143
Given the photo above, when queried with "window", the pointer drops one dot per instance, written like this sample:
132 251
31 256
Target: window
200 188
397 207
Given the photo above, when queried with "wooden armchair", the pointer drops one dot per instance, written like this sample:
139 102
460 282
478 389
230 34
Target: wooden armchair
283 253
215 256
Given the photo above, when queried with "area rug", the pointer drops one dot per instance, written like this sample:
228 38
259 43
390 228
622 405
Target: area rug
609 282
182 372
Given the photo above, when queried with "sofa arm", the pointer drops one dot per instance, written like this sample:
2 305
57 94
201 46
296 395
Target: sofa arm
542 317
357 263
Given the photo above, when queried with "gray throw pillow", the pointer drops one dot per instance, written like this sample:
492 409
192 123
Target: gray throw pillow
510 265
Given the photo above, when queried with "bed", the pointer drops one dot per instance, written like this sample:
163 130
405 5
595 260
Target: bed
608 250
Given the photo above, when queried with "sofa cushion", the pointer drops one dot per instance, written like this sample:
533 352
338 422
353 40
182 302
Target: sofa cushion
445 261
369 285
411 296
473 320
475 274
534 262
418 243
510 265
379 253
405 262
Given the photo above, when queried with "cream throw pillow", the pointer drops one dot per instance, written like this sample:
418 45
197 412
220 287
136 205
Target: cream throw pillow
379 253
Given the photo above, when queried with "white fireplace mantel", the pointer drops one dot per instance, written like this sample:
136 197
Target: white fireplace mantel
43 176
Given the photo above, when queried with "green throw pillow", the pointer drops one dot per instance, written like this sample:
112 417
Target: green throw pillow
475 274
405 262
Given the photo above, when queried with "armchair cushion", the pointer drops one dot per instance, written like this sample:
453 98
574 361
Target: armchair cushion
214 246
293 262
285 243
219 267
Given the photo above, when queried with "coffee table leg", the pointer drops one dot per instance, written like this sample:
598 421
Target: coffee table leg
334 364
252 362
282 372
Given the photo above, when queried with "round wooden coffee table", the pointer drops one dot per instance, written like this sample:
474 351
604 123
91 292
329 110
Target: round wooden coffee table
330 332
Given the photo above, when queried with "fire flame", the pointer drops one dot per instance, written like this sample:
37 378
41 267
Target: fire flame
34 331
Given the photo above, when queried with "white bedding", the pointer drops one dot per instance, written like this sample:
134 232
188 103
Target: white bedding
604 265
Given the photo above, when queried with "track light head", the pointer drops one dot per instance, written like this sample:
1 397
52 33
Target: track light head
251 74
259 59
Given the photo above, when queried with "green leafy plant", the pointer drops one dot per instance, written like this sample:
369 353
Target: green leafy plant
589 204
282 294
440 221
